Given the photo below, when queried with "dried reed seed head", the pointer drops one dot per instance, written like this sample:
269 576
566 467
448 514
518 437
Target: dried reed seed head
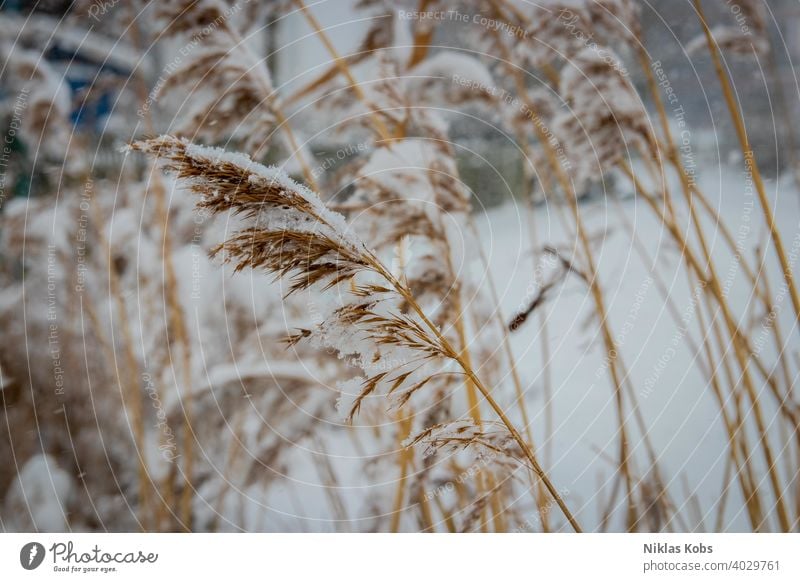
420 173
403 196
539 106
198 24
398 385
381 32
589 152
750 17
731 39
293 235
616 19
545 33
450 77
191 17
475 518
398 355
490 441
384 219
606 117
230 90
292 231
42 101
749 34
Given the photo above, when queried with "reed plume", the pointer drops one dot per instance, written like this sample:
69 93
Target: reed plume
297 238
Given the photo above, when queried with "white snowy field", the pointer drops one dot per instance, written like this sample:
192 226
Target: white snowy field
679 408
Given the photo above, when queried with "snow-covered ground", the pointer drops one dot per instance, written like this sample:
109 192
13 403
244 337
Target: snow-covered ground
679 408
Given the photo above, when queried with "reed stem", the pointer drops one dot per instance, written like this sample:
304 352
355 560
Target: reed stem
750 161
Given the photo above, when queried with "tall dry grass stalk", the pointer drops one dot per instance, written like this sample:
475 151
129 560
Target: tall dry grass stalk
709 280
294 236
612 354
398 131
608 118
750 161
345 70
128 377
743 353
176 321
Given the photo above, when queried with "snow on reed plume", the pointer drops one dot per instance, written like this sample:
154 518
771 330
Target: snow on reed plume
605 119
747 36
39 100
222 85
292 235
